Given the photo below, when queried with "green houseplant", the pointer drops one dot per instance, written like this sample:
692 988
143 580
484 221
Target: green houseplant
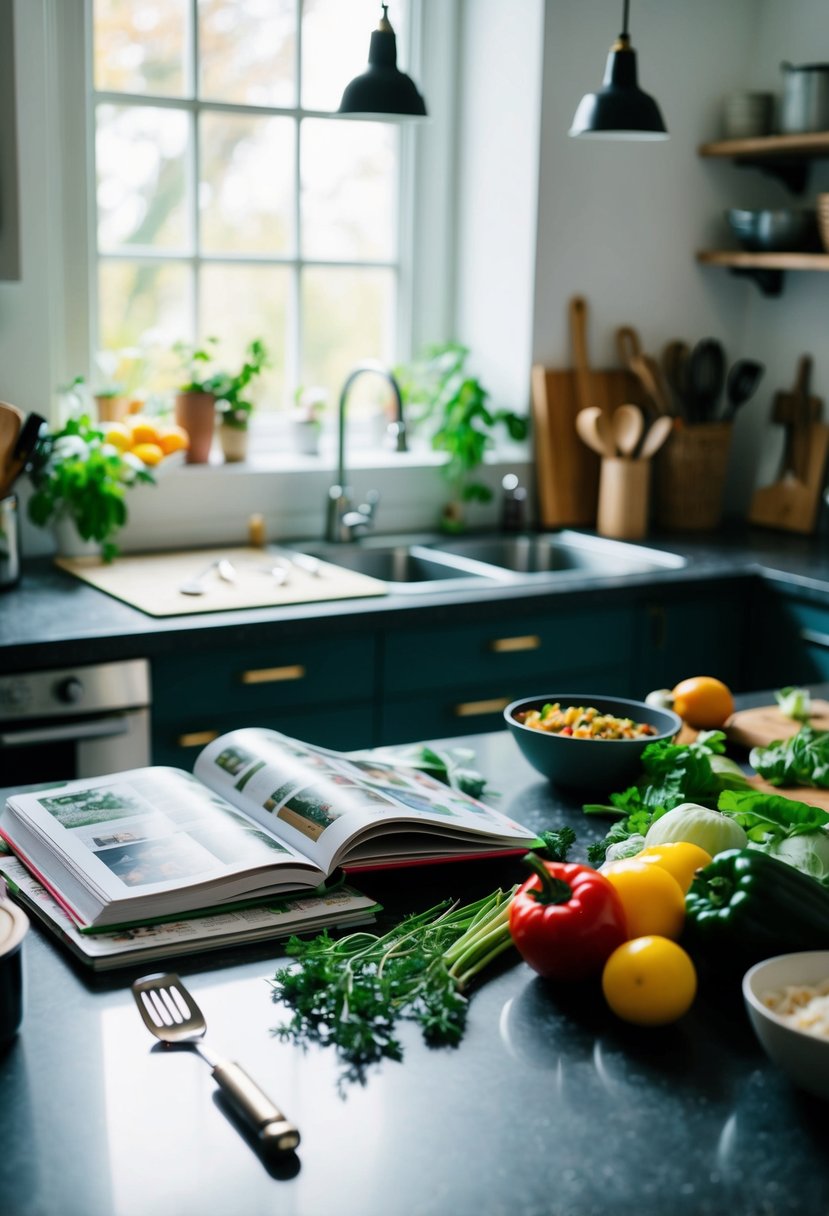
79 478
207 390
440 393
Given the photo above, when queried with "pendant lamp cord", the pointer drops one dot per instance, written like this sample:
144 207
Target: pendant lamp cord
625 10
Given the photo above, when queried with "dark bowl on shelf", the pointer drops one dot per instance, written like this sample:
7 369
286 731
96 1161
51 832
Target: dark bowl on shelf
789 230
589 764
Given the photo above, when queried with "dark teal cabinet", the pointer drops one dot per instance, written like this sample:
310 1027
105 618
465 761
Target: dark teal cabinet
790 642
456 679
699 631
321 690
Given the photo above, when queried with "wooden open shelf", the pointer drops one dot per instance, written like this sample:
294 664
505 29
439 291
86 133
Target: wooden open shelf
786 157
765 268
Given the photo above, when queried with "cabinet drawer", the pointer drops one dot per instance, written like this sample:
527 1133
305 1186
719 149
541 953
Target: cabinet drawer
466 710
263 679
344 727
509 653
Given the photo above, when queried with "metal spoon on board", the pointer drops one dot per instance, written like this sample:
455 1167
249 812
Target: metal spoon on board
197 586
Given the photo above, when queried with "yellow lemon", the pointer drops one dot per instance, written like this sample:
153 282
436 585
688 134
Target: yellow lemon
119 435
149 453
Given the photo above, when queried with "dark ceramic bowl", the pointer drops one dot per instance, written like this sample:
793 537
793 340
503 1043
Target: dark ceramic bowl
789 230
603 765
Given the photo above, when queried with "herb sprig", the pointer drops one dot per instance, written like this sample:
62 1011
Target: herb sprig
353 992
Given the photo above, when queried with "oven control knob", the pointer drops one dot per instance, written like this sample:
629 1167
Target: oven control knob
70 690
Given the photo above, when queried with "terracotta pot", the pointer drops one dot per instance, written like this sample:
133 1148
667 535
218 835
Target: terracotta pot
234 441
112 409
196 412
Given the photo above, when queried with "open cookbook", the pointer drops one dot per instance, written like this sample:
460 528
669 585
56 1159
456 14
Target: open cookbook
261 817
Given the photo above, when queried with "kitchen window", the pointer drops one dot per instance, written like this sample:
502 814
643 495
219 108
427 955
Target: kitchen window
228 199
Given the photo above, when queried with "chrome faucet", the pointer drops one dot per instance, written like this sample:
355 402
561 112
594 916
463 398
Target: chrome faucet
344 522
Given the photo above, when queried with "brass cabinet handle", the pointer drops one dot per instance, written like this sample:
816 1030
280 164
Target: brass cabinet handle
528 641
472 709
197 738
272 675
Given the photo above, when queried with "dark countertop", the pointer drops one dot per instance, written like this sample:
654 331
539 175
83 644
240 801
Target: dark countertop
548 1106
52 619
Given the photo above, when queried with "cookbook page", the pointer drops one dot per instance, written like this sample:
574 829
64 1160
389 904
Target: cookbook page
318 801
140 833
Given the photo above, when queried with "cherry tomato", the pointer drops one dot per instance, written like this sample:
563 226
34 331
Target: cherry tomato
680 858
649 981
652 899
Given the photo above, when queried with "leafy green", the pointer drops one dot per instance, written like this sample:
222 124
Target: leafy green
75 472
801 760
556 845
795 703
672 773
770 817
352 993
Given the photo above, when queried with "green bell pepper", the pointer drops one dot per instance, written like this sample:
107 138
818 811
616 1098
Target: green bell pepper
750 906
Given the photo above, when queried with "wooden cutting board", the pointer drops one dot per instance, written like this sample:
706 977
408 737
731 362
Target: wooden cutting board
567 471
151 582
765 724
798 793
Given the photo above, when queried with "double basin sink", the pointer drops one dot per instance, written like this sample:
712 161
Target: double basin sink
427 563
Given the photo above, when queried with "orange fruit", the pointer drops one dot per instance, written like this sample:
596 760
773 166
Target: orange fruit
649 981
149 453
118 435
173 439
704 702
144 430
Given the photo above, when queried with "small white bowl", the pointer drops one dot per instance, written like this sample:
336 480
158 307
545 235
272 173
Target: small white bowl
802 1056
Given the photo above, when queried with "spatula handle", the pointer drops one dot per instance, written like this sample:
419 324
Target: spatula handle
275 1132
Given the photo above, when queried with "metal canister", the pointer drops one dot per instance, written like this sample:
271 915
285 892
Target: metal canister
805 102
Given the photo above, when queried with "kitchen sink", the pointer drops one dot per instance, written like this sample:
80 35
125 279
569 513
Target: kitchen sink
429 563
406 566
561 553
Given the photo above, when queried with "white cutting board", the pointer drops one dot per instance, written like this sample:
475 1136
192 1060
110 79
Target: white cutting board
151 582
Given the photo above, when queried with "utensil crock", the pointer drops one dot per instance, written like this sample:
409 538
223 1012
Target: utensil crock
9 542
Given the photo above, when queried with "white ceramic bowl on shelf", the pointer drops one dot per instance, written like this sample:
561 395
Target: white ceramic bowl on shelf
803 1056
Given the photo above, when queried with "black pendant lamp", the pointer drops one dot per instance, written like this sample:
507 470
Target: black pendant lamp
619 110
382 92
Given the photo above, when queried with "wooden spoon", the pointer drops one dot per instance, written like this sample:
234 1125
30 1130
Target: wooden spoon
595 429
656 436
628 425
11 419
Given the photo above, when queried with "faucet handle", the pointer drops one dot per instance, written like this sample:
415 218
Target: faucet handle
369 507
396 432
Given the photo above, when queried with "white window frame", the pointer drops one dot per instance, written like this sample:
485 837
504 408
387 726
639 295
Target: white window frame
426 212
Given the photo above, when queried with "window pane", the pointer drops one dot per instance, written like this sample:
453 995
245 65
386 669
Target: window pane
348 189
347 316
148 307
335 42
141 177
240 303
140 46
247 184
247 51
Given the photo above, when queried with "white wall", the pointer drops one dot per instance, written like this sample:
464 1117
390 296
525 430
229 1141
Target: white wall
620 222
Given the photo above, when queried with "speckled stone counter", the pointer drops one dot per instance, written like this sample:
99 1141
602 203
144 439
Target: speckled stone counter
50 618
549 1106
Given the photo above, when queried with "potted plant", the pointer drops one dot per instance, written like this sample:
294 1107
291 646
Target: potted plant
208 390
439 392
195 401
233 402
306 425
80 484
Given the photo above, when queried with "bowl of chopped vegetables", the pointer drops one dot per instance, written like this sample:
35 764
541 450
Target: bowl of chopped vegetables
586 741
787 999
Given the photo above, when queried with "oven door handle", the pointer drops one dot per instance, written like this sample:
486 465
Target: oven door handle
98 728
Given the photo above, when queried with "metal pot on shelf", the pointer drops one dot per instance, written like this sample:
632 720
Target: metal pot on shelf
805 101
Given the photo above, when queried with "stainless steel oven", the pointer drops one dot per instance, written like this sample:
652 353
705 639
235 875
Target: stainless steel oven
75 722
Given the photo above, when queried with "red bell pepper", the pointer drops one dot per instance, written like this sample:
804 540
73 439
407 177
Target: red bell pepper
566 920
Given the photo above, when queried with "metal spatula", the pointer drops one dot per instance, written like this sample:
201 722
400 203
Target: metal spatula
170 1013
